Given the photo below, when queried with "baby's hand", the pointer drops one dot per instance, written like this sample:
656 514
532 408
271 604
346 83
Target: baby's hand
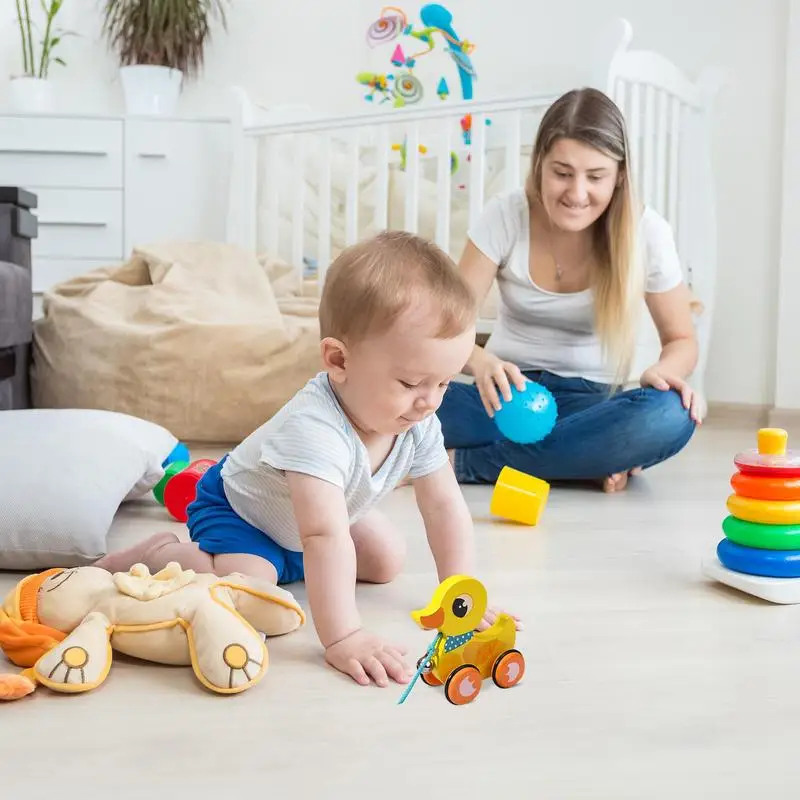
363 656
490 617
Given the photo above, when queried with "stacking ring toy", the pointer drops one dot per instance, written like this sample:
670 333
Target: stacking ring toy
752 561
770 459
765 488
767 537
767 512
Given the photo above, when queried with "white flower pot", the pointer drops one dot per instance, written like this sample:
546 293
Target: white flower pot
150 90
30 95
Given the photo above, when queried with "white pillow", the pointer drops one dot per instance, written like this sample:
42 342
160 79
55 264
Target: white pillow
64 474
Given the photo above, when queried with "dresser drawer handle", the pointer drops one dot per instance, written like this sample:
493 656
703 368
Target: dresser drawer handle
20 151
152 155
77 223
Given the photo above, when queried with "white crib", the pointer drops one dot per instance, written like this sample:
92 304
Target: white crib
303 186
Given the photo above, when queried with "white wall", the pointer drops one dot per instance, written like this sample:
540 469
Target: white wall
305 52
787 377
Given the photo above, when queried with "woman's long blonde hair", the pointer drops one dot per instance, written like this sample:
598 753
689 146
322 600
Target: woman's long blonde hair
591 117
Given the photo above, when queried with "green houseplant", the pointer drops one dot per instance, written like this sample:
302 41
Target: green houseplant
159 44
39 38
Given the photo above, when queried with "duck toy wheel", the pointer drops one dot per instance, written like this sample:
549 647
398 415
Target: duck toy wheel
508 669
460 658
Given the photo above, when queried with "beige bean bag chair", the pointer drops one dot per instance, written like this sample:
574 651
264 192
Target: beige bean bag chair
202 338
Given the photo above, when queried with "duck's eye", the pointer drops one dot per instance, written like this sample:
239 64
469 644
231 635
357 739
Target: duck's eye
462 605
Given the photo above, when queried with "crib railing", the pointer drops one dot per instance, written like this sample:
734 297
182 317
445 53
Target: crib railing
308 187
668 122
298 194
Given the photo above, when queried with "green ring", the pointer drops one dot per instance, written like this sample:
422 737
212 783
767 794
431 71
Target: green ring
172 469
764 537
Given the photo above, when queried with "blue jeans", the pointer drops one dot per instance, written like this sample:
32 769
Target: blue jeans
596 434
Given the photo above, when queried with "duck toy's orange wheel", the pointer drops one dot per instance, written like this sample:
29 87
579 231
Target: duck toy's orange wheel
461 657
463 685
509 669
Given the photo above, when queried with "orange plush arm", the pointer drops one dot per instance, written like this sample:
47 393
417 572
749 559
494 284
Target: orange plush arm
14 687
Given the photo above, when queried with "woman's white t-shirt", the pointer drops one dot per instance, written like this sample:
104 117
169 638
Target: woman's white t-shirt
538 329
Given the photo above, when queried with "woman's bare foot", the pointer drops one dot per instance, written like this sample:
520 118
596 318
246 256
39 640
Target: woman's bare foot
619 480
123 560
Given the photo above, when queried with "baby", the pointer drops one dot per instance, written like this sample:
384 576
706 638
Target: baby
296 499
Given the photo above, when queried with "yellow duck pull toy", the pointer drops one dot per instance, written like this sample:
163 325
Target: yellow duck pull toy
460 657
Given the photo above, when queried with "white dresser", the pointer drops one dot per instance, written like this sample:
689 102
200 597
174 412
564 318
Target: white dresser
107 184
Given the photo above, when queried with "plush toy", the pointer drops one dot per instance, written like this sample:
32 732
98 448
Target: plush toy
62 625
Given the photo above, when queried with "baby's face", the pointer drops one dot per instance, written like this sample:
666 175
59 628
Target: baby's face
396 380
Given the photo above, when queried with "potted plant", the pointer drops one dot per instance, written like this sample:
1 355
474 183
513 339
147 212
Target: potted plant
31 89
159 44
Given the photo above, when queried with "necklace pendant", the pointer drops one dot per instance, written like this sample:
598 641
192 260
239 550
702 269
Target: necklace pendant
558 272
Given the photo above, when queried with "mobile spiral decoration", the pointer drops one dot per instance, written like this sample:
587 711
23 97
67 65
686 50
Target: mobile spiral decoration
384 30
409 88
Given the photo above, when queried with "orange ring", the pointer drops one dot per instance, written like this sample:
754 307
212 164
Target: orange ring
765 488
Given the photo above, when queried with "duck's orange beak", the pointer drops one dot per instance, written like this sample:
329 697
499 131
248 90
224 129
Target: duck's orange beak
432 621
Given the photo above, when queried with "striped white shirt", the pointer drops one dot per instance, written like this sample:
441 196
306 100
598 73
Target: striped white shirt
311 434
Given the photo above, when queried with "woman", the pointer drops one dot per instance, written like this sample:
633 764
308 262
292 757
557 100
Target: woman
573 256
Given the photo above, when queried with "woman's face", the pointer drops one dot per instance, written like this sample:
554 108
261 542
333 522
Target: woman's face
578 183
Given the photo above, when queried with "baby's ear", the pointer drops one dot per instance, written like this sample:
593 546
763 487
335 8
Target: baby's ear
334 357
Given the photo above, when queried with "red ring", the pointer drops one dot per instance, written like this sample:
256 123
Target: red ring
747 468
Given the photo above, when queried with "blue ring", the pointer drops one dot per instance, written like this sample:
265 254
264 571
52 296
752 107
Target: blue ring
179 453
755 561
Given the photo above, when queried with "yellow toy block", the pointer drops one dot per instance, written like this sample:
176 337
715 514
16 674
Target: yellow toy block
519 497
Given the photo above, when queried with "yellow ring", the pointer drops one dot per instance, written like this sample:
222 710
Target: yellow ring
766 512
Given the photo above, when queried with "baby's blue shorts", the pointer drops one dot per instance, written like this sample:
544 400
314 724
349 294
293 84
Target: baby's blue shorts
217 529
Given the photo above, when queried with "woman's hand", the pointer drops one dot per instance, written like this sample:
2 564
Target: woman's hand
660 379
492 374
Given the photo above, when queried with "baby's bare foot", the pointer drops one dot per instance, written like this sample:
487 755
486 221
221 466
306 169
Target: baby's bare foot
619 480
123 560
